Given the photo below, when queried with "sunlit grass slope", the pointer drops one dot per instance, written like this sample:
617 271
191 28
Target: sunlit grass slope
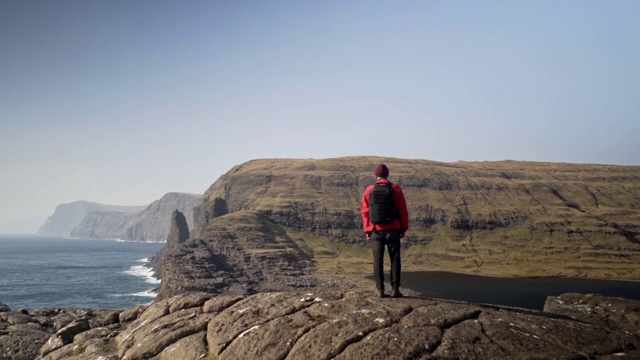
503 218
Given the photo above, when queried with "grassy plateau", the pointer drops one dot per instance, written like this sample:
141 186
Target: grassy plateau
504 218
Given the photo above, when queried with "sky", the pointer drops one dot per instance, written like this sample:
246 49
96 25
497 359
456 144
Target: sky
121 102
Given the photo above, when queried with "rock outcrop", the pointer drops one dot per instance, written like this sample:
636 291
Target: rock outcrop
24 335
244 253
599 310
323 324
154 222
178 234
179 230
67 217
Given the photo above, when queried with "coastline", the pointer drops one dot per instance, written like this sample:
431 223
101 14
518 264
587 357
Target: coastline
77 238
48 271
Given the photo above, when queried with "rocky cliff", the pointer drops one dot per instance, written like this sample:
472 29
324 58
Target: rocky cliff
154 222
325 324
68 217
495 218
103 225
178 234
91 220
243 253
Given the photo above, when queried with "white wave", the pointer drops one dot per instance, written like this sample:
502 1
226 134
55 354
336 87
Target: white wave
143 260
137 241
143 272
148 293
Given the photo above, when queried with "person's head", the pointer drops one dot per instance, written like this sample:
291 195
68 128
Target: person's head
381 171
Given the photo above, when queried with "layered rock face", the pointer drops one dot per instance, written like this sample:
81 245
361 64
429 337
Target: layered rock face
91 220
154 222
103 225
312 325
244 253
495 218
68 217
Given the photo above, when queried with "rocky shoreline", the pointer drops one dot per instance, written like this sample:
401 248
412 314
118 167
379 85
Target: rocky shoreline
326 324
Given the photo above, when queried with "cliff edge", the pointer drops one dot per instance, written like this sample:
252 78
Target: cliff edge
84 219
68 217
154 222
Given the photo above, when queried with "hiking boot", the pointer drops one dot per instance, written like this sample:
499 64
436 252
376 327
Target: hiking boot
395 292
380 293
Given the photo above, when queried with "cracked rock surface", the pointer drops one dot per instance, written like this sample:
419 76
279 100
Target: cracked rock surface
598 310
326 324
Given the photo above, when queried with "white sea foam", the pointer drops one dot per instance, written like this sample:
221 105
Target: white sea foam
135 241
148 293
143 272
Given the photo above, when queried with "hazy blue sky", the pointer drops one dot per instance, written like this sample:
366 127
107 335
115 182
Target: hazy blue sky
120 102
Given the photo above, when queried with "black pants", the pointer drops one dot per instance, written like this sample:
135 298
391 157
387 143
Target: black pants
390 238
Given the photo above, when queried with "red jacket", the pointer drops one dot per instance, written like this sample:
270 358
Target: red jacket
401 224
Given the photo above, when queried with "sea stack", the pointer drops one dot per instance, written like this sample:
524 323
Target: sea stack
178 234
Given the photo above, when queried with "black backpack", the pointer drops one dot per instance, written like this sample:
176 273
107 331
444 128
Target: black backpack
382 204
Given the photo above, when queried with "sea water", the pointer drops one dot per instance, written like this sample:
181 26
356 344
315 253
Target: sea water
47 271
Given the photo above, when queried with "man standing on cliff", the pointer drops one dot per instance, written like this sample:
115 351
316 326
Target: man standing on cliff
385 219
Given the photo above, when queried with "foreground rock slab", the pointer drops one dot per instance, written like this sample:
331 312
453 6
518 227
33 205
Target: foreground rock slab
598 310
316 325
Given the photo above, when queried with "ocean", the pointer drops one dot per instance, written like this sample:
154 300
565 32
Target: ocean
39 272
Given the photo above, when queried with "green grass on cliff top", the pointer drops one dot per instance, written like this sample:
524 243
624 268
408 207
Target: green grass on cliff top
558 219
